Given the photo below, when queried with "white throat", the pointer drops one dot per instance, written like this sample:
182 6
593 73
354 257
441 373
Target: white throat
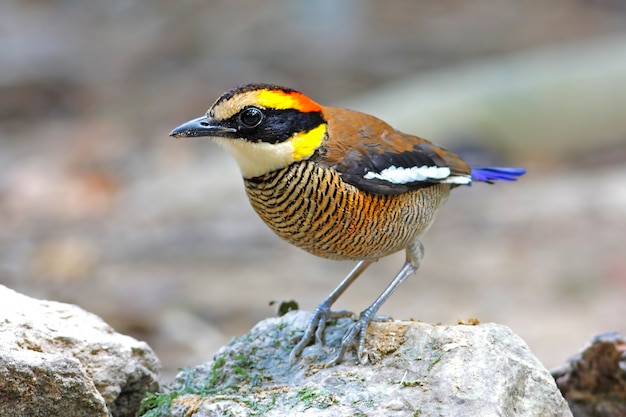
258 158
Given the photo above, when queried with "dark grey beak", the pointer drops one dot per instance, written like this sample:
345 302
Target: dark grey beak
200 127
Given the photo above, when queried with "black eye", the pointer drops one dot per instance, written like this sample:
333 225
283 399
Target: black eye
251 117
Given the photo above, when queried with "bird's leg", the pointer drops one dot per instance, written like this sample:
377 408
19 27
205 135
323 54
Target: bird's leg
322 313
356 333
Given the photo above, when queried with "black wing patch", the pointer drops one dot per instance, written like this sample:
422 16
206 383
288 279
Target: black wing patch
382 172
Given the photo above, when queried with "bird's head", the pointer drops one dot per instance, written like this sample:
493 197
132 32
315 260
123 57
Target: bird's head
265 127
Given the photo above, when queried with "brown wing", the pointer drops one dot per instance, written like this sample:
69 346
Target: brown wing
373 156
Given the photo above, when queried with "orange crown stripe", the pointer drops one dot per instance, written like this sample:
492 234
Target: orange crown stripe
282 100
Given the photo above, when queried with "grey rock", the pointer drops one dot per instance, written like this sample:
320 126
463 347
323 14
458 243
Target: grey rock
413 369
59 360
40 384
594 380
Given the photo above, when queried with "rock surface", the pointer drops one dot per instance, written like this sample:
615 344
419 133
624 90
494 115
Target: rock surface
594 380
59 360
414 369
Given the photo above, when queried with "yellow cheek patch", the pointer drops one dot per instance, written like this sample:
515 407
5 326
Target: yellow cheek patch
305 143
281 100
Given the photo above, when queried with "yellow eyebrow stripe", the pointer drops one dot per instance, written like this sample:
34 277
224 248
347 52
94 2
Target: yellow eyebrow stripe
305 143
282 100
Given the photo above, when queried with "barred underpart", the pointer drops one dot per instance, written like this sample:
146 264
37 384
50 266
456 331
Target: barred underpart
311 207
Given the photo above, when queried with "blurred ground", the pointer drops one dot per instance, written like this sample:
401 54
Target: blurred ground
101 208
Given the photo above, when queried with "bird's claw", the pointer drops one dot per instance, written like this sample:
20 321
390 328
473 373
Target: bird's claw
355 334
316 329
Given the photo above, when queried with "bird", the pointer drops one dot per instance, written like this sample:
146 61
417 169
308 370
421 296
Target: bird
338 183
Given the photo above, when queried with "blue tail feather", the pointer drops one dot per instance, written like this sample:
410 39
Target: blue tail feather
491 174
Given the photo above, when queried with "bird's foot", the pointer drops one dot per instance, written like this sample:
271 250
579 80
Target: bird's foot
316 329
356 334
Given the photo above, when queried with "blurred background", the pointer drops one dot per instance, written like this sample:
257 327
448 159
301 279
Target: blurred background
101 208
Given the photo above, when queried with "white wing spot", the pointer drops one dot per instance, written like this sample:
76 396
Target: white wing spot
458 179
399 175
